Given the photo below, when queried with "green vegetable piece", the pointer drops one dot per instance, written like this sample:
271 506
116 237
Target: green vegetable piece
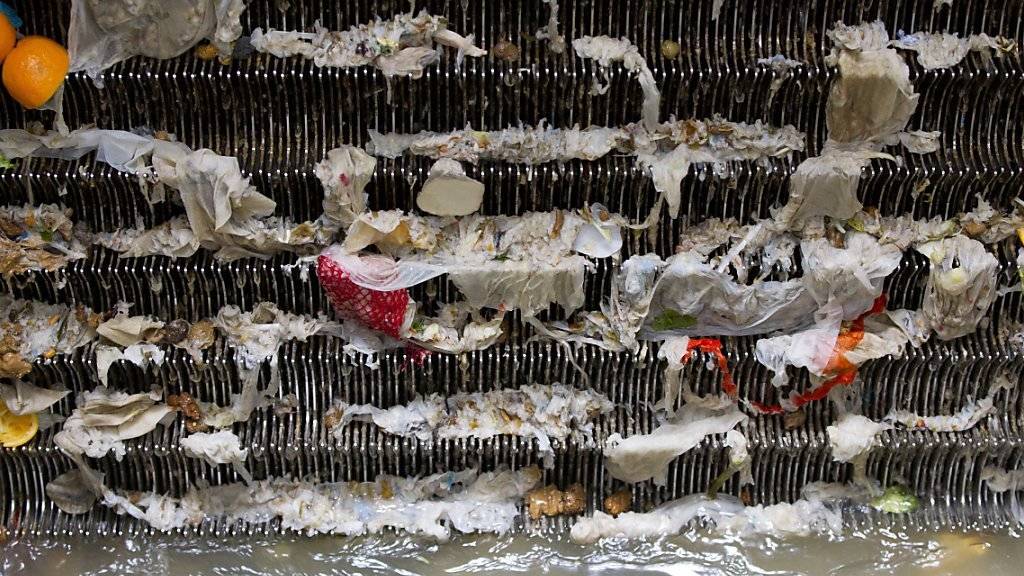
720 481
672 320
46 235
5 163
855 224
896 500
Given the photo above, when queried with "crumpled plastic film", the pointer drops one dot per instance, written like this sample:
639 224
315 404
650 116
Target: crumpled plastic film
105 32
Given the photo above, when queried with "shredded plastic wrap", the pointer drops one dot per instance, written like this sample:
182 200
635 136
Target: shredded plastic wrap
104 418
783 68
873 98
256 337
853 435
710 302
541 412
344 173
868 106
131 337
617 325
999 480
225 213
431 506
521 145
29 330
645 456
500 262
816 513
961 286
826 185
706 300
221 447
556 42
606 50
944 50
37 238
173 238
456 329
715 141
23 398
402 46
966 418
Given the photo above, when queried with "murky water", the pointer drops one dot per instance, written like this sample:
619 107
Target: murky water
875 553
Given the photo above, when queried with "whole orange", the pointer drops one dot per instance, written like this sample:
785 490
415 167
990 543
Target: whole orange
7 37
34 70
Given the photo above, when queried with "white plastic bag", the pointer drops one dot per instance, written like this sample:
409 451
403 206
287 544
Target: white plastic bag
105 32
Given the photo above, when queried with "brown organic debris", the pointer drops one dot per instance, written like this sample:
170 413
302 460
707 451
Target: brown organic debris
175 331
746 497
12 365
189 408
206 52
619 502
669 49
507 51
333 418
201 334
550 501
794 420
556 229
975 229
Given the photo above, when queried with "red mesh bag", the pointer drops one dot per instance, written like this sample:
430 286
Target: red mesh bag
383 311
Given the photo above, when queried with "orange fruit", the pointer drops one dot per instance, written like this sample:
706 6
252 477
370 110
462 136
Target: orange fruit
7 37
34 70
16 430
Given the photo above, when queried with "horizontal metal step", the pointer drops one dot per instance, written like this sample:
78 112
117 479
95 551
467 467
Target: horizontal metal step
198 287
944 473
925 186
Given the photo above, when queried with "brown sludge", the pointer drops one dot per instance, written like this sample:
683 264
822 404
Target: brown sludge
618 502
550 501
189 408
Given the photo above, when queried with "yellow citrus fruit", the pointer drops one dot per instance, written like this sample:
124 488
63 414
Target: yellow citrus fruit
7 37
34 70
16 430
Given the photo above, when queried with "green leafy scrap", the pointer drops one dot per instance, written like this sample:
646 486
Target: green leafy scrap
672 320
896 500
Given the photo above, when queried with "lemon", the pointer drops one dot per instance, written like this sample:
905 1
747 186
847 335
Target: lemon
16 430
